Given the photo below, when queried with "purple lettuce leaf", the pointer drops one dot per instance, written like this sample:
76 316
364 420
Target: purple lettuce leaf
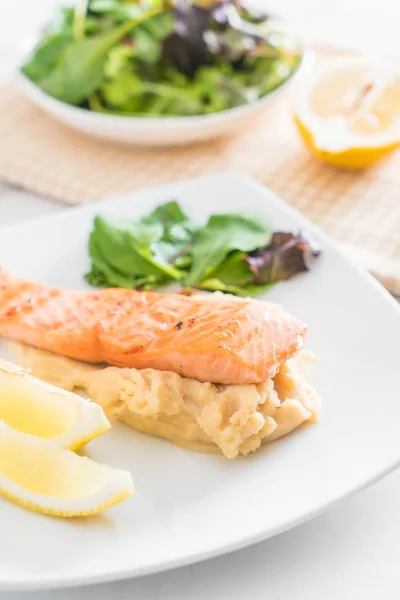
185 47
286 255
201 33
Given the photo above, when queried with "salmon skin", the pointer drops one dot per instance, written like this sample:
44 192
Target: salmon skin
217 338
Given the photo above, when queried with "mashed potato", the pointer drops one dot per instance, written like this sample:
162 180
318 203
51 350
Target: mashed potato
232 419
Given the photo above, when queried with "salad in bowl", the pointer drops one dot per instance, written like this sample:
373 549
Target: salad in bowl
158 71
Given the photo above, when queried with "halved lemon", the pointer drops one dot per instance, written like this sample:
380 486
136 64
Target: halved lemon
39 475
31 406
349 115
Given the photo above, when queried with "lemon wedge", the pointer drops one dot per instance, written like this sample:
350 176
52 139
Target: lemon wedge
349 115
31 406
39 475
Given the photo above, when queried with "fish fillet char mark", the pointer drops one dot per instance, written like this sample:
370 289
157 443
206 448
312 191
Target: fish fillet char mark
220 339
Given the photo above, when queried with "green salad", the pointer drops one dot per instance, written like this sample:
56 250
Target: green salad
161 57
236 252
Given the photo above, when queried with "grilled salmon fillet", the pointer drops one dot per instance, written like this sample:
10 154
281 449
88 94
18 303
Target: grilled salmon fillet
217 338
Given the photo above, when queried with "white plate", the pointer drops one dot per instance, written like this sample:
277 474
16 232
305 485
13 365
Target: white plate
190 506
157 131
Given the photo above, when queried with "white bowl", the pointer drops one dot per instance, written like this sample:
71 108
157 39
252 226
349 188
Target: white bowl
154 131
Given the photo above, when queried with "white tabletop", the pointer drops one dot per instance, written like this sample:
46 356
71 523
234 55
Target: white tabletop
350 553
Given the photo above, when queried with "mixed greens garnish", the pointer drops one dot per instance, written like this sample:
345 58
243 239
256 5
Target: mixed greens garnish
234 252
161 57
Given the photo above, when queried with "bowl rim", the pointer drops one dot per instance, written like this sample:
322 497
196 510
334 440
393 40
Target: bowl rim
47 102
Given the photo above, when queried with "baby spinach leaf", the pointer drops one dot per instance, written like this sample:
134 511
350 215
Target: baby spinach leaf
178 230
167 214
79 71
45 57
233 253
80 68
102 273
127 249
234 270
222 234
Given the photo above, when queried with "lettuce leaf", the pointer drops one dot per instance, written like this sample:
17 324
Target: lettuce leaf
233 253
221 235
286 255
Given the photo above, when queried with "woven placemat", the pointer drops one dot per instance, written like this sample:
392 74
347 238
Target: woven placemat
361 210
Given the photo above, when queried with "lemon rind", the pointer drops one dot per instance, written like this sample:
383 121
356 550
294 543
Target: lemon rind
114 485
310 126
41 509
